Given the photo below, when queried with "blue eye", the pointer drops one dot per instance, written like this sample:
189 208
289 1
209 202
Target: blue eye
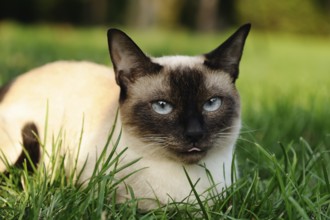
162 107
212 104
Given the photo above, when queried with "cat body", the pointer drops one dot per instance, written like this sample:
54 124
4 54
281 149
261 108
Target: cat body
175 112
66 105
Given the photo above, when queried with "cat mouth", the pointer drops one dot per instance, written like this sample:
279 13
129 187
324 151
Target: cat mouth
192 155
194 149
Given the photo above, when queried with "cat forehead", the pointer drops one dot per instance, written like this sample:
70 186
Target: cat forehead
179 61
183 79
211 78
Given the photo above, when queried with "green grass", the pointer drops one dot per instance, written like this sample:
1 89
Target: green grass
283 151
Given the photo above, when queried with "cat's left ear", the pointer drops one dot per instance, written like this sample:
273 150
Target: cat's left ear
128 59
228 55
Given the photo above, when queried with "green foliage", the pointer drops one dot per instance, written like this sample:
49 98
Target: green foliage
283 151
300 16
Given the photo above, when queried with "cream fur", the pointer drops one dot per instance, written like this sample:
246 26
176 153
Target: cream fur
87 92
175 61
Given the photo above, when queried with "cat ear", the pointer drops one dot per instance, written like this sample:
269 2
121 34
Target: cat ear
128 59
228 55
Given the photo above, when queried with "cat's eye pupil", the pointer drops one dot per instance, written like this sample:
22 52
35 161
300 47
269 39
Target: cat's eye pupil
212 104
162 107
162 104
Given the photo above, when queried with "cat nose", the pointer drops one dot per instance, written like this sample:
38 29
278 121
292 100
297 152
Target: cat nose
194 131
194 137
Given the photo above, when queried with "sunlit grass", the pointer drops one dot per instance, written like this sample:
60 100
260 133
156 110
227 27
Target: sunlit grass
283 151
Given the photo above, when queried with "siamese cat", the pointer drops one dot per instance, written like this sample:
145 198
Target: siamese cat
175 114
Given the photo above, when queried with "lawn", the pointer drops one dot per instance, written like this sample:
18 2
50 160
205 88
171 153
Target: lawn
282 154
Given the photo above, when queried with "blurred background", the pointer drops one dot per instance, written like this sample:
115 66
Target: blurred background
300 16
284 73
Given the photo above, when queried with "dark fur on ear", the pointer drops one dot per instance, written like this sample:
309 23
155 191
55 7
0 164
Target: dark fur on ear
128 59
227 56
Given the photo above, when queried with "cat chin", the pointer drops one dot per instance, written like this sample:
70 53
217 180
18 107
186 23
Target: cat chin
191 157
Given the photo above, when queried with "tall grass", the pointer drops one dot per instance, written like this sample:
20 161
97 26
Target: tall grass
282 153
296 187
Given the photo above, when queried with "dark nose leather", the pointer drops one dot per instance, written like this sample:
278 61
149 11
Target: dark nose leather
194 130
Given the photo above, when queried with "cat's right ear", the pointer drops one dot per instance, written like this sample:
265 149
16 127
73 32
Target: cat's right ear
128 60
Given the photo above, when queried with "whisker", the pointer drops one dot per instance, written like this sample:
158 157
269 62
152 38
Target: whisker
229 127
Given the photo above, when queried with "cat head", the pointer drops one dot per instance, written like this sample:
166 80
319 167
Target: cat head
182 106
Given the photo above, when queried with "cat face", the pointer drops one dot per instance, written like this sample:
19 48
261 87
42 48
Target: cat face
182 106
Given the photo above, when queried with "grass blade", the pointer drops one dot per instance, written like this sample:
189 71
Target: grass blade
300 210
202 207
